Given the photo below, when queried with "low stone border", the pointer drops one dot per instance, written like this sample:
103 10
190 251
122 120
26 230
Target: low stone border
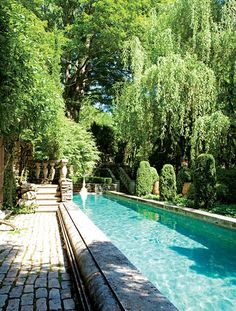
111 281
219 220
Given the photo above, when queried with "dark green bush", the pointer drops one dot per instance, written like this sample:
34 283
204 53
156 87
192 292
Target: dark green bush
167 183
205 181
184 175
144 179
226 185
191 192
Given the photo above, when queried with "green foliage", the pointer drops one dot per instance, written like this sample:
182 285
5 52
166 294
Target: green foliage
9 188
167 183
205 181
210 135
144 179
79 147
191 192
226 186
184 175
155 176
222 209
24 209
152 197
182 83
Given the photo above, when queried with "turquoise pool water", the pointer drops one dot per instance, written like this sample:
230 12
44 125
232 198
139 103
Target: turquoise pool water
191 262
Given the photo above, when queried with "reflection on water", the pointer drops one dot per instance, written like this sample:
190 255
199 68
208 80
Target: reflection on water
192 262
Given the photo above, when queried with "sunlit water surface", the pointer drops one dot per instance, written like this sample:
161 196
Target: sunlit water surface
191 262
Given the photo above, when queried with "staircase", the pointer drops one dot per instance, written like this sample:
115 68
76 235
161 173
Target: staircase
48 198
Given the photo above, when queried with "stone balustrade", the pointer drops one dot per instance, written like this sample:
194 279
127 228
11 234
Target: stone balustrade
55 171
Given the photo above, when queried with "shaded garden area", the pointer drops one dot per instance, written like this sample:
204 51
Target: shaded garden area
115 83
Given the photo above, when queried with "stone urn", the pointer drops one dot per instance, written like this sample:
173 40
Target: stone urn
156 189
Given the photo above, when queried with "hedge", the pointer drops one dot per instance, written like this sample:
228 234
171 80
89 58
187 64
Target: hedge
167 183
184 175
204 180
144 179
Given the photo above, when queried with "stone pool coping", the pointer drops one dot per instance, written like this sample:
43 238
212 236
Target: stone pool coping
218 220
112 282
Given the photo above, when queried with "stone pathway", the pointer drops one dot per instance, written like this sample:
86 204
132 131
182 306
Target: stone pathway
33 266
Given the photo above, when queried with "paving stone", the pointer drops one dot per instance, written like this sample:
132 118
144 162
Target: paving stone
54 293
27 308
12 273
2 276
41 282
13 305
3 299
41 304
53 275
8 281
65 276
66 293
28 289
54 304
4 268
20 281
16 292
31 279
41 293
68 304
5 289
65 284
53 283
27 299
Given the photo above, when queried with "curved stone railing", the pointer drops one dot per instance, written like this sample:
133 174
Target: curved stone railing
106 279
126 180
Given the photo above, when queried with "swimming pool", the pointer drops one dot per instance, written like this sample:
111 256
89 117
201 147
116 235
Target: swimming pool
191 262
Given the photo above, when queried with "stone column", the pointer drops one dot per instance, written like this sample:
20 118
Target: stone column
52 171
38 169
45 170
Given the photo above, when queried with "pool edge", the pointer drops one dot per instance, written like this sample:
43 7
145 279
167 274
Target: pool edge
105 268
218 220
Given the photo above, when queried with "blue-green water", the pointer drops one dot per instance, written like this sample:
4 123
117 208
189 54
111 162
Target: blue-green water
191 262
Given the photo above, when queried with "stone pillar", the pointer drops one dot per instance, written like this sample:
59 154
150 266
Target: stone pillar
45 170
1 168
66 187
63 171
38 169
52 171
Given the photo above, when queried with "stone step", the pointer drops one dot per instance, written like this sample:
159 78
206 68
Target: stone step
47 202
47 191
46 209
48 196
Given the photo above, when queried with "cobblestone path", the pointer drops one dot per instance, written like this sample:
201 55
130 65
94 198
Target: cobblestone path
33 266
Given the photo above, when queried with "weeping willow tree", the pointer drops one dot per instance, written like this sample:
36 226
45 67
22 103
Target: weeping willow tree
179 79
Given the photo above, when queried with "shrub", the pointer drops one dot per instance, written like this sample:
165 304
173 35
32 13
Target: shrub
226 186
184 175
144 179
167 183
154 174
191 192
205 181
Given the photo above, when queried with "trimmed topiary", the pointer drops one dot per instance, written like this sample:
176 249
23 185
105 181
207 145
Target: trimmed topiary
204 181
184 175
144 179
167 183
